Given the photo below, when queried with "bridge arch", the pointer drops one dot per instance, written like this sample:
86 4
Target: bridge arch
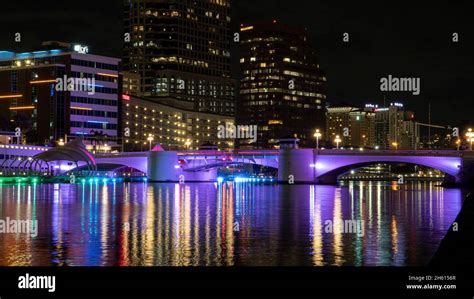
137 162
329 168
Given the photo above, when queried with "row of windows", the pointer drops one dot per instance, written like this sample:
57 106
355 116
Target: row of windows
94 113
93 64
93 125
106 90
94 101
96 76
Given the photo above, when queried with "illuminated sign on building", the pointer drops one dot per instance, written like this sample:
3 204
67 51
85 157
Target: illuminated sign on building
397 105
81 49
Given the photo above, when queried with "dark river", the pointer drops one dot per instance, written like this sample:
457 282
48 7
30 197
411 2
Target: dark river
140 224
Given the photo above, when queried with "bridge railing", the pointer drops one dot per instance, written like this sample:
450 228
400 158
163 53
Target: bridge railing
228 153
123 154
266 153
440 153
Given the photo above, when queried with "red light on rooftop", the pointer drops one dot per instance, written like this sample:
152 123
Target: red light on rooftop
274 21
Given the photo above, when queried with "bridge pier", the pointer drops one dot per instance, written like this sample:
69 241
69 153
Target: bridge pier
161 166
296 165
203 176
466 174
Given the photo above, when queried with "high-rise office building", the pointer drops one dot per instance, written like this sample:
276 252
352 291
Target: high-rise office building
282 88
395 128
181 51
60 91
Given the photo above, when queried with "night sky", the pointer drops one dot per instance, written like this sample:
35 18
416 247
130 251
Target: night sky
401 38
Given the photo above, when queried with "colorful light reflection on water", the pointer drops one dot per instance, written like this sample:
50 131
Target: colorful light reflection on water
139 224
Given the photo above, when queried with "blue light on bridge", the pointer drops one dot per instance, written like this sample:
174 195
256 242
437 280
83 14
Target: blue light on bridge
245 179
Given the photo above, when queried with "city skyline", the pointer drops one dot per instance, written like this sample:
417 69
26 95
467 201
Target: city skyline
372 53
145 144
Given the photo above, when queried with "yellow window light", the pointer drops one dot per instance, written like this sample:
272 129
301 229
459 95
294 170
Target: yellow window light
42 81
246 28
108 75
82 108
22 108
12 96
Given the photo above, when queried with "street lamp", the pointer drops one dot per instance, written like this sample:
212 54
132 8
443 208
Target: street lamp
470 137
150 139
187 143
395 145
317 135
61 142
337 141
458 144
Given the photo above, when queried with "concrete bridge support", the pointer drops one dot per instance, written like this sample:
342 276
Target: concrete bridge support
466 174
205 175
296 165
161 166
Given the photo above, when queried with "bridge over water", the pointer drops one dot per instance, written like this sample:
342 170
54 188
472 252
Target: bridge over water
302 165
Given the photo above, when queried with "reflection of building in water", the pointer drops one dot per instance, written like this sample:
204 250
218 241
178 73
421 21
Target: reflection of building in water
136 224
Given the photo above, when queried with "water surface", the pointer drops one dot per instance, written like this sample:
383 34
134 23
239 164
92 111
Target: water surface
140 224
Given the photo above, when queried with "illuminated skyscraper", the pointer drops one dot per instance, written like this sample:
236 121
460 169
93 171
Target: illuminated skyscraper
282 89
181 51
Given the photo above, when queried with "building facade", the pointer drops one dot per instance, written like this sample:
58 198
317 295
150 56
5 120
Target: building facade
362 128
181 51
282 88
339 123
147 122
372 127
395 128
59 92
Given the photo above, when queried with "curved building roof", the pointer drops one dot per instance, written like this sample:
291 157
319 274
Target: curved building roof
74 151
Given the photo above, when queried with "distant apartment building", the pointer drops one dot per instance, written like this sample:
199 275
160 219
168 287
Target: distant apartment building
147 122
181 52
282 88
131 84
339 123
362 128
409 134
395 128
372 126
36 97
